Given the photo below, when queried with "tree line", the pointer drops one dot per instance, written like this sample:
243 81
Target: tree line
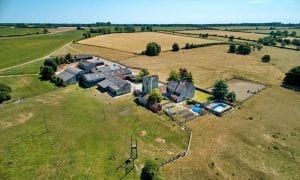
47 71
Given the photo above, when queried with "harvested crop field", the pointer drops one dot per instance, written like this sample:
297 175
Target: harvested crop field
283 59
208 64
105 53
136 42
258 141
243 35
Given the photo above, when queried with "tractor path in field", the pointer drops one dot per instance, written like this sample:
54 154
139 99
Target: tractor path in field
18 75
35 60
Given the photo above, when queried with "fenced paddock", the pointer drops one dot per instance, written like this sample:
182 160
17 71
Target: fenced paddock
244 89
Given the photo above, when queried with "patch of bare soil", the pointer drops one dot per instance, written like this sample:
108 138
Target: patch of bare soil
22 118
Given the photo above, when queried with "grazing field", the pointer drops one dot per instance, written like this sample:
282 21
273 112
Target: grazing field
19 50
80 133
283 59
27 86
208 64
12 31
105 53
260 140
250 36
136 42
31 68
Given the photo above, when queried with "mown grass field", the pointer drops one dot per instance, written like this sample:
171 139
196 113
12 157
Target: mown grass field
84 129
208 64
243 35
27 86
136 42
31 68
19 50
12 31
260 140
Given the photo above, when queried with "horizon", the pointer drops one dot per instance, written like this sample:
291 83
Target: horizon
154 12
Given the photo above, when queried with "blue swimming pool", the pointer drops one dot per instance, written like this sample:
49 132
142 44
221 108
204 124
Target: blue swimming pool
219 107
197 108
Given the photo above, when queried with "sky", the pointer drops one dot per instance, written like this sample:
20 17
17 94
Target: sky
150 11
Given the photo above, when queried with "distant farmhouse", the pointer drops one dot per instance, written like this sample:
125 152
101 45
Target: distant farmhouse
92 71
179 91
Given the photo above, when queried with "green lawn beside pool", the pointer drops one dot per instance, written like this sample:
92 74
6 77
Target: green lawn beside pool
201 97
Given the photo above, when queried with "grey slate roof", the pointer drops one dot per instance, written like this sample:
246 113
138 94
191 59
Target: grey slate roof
91 77
103 68
112 82
179 86
83 56
95 61
65 76
74 70
84 63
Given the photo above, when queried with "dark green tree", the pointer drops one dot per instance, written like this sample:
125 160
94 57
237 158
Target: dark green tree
231 96
187 46
231 38
46 72
232 48
266 58
190 77
150 171
155 96
5 88
152 49
142 73
183 72
68 57
174 75
243 49
51 62
175 47
4 96
292 77
220 90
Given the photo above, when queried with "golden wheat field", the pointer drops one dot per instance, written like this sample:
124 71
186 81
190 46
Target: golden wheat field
208 64
243 35
136 42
